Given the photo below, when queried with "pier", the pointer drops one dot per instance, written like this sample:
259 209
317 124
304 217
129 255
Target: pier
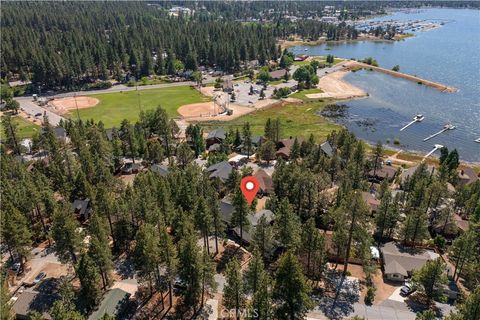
417 118
445 128
435 148
435 85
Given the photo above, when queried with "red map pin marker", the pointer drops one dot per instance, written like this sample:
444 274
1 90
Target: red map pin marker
249 186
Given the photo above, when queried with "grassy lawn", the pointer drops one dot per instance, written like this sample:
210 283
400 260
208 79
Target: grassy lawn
296 120
320 59
114 107
302 94
25 129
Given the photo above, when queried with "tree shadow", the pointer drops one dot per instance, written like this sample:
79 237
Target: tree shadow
341 295
125 268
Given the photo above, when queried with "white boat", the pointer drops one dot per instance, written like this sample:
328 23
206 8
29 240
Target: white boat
419 118
449 126
477 140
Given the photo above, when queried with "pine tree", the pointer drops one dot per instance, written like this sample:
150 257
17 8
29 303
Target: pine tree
415 227
190 270
204 221
469 309
65 233
254 273
146 254
290 291
10 131
262 305
313 245
263 238
90 291
430 277
15 233
247 138
99 249
168 257
233 292
267 151
287 226
295 151
241 212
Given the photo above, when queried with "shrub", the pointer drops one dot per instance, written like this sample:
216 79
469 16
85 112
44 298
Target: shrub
130 83
396 141
440 242
370 295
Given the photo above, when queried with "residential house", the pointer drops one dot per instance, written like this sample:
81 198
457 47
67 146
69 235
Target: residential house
467 176
82 209
112 304
407 173
284 147
327 149
30 300
160 169
372 202
247 235
399 262
300 57
131 168
265 181
382 173
220 170
215 136
278 74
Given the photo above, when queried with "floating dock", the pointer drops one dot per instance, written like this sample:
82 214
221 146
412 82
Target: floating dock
445 128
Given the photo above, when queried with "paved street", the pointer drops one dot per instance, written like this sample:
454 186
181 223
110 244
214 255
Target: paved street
31 108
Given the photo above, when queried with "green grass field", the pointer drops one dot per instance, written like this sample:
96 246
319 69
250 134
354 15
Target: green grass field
320 59
114 107
302 94
25 129
297 120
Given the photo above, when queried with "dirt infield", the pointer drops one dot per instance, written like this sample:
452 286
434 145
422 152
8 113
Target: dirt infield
204 112
65 105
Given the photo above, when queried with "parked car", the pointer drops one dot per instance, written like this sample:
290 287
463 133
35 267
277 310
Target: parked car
407 289
16 266
39 277
38 114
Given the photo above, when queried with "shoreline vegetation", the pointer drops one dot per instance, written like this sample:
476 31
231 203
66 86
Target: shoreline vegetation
285 44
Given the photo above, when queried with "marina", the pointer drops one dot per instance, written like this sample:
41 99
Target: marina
446 127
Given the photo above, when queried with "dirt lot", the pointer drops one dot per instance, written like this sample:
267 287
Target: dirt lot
204 112
65 105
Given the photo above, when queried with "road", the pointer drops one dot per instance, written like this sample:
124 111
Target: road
31 108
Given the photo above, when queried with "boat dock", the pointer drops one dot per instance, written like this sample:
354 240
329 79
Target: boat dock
417 118
435 148
445 128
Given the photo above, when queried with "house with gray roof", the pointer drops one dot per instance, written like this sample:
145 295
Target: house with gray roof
112 303
253 220
82 209
327 148
399 262
220 170
215 136
160 169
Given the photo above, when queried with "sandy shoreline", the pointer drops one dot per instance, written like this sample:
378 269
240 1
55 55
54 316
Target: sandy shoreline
333 86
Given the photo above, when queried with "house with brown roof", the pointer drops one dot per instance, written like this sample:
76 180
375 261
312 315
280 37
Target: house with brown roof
284 147
372 202
278 74
265 181
382 173
467 176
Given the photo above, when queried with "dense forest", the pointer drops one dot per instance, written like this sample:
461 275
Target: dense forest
161 222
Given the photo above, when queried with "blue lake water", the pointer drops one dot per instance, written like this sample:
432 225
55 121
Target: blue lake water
449 55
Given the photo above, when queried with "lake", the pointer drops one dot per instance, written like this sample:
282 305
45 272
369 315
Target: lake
449 55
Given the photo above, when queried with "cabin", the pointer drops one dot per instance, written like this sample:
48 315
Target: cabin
247 235
265 181
383 173
160 169
372 202
327 149
82 209
112 303
30 301
467 176
221 170
284 147
216 136
131 168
